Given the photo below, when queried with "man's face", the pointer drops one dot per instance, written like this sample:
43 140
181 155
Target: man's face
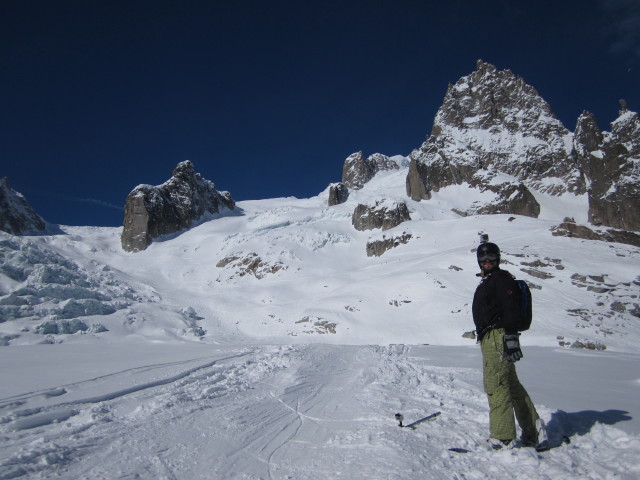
488 264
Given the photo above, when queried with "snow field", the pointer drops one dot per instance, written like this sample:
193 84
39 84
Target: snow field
303 412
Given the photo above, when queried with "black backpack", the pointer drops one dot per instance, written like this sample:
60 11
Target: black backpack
526 313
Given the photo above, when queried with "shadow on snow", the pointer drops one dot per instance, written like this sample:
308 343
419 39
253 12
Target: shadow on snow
563 425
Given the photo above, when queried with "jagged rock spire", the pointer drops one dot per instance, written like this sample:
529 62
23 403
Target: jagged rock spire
171 207
624 108
611 163
491 122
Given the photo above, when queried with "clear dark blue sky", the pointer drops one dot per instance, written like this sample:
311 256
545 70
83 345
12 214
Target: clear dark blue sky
268 98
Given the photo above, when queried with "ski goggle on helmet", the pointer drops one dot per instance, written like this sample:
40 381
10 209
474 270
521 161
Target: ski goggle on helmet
488 251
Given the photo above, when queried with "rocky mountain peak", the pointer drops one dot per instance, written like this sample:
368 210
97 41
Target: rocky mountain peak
185 166
152 211
626 130
492 122
491 98
495 133
17 216
185 171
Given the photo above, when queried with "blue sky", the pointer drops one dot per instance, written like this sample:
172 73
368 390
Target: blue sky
268 98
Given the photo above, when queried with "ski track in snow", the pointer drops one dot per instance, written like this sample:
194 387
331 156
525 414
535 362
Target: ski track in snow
291 412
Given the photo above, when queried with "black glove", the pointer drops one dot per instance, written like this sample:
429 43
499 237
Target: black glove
512 347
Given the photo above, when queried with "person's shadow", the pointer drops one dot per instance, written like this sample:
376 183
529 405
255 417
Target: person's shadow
563 425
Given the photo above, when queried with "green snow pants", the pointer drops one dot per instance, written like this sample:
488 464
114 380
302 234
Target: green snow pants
505 392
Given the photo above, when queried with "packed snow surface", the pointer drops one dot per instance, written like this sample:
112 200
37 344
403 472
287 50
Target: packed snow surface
268 345
142 410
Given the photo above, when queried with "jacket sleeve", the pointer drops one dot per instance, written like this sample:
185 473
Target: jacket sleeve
507 295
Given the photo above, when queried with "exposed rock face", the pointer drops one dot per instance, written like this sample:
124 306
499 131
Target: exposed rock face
377 248
317 325
493 122
384 214
338 193
611 162
152 211
419 185
511 198
250 264
587 138
358 170
17 216
571 229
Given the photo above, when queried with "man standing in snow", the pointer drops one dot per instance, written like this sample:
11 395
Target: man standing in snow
496 311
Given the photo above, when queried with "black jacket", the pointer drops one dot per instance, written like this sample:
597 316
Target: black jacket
496 303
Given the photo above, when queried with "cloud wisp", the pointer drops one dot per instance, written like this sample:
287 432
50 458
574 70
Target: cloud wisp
622 27
95 201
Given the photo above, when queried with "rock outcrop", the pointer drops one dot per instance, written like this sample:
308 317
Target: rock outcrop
572 229
17 216
338 193
377 248
611 163
509 198
250 264
358 170
152 211
384 215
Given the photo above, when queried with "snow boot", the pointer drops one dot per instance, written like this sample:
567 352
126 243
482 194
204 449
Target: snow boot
529 438
497 444
543 439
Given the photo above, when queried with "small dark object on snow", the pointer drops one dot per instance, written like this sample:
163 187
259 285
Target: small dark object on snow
459 450
399 418
412 426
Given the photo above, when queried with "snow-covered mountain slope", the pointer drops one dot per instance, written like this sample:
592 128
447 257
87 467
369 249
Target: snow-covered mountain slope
295 270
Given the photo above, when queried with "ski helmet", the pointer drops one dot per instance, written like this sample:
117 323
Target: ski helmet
488 251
